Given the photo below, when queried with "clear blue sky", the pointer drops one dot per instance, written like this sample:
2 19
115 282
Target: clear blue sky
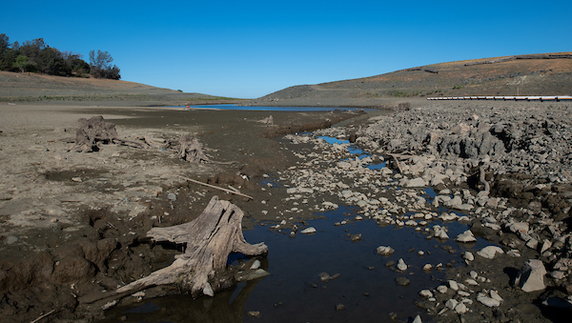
251 48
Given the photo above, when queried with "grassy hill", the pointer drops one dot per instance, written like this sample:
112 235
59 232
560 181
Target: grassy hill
538 74
40 88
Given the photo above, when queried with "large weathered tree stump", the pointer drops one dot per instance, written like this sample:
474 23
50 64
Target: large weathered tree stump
209 240
96 130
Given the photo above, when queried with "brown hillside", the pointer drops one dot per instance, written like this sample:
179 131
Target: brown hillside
30 87
539 74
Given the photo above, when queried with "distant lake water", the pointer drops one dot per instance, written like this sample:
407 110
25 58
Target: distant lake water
267 108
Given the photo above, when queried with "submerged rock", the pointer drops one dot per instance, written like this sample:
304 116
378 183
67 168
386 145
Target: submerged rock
385 250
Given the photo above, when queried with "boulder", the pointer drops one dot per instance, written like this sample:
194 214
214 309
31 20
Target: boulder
489 252
531 277
466 236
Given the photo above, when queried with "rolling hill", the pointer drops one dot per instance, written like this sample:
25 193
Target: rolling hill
537 74
40 88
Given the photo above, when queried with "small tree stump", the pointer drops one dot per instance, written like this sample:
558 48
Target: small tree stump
209 240
191 150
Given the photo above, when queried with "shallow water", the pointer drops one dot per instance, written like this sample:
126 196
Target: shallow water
266 108
294 293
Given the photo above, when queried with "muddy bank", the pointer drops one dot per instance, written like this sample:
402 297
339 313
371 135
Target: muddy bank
74 223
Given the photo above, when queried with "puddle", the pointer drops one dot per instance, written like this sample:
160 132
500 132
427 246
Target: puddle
294 292
352 149
235 107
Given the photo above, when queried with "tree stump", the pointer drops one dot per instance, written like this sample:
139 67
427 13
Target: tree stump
96 130
191 150
92 131
209 240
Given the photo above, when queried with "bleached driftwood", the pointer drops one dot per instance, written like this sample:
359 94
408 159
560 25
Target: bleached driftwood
233 191
209 240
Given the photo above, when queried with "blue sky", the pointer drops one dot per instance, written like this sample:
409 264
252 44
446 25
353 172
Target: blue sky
251 48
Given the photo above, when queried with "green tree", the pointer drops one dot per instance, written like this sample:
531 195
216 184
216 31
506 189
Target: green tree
100 65
24 64
7 56
75 65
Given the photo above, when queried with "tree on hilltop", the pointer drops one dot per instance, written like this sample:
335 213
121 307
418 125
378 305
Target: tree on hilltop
100 65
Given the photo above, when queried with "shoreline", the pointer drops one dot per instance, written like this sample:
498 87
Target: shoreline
149 177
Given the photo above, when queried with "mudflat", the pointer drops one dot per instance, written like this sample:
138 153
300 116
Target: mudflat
459 209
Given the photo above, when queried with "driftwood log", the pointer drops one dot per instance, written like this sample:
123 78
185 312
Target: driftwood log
209 240
96 130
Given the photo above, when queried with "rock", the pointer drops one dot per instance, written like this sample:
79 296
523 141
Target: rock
532 243
385 250
417 319
487 301
471 282
254 314
468 256
518 227
453 285
355 237
531 277
440 232
416 182
451 304
340 307
402 281
427 267
461 308
172 197
455 202
490 252
546 244
401 265
76 179
426 293
466 236
308 230
327 277
442 289
557 274
495 295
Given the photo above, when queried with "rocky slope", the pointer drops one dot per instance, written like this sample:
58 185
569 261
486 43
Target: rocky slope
539 74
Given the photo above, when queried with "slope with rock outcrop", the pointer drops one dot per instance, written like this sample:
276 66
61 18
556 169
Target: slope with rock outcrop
538 74
41 88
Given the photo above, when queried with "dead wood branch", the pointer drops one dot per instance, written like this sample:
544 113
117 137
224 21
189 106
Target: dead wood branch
43 316
209 240
217 187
